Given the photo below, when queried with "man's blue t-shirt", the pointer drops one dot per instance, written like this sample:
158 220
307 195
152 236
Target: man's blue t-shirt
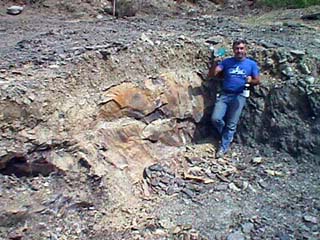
236 73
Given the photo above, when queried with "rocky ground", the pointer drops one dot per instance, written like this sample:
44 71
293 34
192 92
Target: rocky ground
105 132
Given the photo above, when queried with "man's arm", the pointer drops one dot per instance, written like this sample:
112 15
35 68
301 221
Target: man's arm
215 71
254 80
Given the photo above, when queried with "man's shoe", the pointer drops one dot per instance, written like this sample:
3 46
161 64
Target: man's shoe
220 154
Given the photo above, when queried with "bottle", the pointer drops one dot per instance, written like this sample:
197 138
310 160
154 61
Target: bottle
246 90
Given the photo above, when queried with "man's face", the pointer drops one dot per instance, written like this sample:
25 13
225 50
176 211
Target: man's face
240 51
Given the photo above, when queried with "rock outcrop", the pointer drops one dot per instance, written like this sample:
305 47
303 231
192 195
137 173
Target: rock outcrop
125 98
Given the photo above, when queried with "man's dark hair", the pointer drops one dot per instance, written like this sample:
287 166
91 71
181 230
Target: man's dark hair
239 41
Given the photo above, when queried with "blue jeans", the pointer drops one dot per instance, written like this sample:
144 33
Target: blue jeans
226 115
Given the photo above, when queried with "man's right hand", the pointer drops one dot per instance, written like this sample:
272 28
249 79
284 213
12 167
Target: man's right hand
217 60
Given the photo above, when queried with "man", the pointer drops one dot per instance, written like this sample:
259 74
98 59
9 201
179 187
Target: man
237 71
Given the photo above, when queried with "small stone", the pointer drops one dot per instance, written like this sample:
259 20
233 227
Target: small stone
188 192
282 57
54 66
274 173
245 185
262 184
14 10
172 190
154 182
247 227
311 219
159 232
146 39
176 230
267 44
283 236
221 187
156 167
219 236
257 160
235 236
233 187
214 40
304 68
269 62
166 224
310 80
298 52
288 71
194 235
187 227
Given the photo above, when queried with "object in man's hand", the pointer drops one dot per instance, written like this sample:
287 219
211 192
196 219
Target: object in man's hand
221 52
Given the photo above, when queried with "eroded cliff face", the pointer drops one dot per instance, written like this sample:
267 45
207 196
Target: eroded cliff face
118 102
113 110
284 114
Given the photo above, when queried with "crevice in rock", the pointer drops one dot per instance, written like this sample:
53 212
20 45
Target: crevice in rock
21 167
